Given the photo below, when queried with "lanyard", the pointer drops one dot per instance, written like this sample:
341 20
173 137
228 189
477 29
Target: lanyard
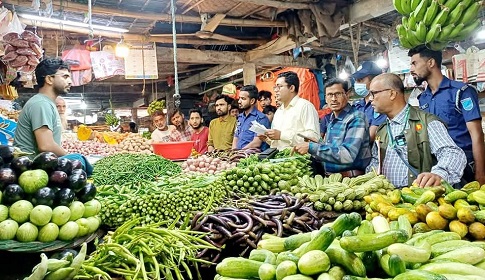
393 141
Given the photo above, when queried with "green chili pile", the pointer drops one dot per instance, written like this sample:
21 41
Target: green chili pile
149 252
163 200
127 168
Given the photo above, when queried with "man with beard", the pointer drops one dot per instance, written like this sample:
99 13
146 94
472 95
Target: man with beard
200 132
243 137
39 126
221 130
61 108
345 148
162 130
456 104
182 131
412 146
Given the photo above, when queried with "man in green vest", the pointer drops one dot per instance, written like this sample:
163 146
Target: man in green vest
412 146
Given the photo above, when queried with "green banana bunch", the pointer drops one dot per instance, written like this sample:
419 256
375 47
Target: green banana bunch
157 105
436 22
111 119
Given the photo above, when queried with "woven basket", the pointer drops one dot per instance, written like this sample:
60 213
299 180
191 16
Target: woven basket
34 247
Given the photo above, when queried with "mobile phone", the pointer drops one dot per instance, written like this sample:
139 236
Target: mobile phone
306 138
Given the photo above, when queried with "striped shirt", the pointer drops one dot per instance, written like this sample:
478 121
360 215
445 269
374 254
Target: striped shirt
346 143
451 159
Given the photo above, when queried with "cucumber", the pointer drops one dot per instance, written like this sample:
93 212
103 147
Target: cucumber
325 276
396 265
336 272
345 222
384 262
286 256
439 237
321 241
286 268
409 253
267 272
365 227
405 225
447 246
238 268
348 260
294 241
463 277
314 262
372 242
263 255
470 255
449 267
419 275
421 236
380 224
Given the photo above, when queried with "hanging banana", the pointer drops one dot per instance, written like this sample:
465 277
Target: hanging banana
456 14
406 7
412 39
445 32
414 4
421 10
398 6
456 31
441 17
437 46
470 13
431 13
433 33
412 21
451 4
421 32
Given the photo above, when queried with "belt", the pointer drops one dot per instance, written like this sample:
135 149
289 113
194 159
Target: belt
350 173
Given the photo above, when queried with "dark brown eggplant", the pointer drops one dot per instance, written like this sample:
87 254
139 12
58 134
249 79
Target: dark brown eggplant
76 164
58 178
21 164
64 164
46 161
7 177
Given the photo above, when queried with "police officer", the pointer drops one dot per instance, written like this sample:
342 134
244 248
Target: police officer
456 104
363 76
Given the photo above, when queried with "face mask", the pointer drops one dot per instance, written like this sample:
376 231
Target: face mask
361 89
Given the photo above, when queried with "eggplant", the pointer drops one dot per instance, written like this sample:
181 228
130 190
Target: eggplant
12 193
8 153
56 189
64 197
87 193
58 178
77 180
46 161
7 177
44 196
21 164
76 164
64 164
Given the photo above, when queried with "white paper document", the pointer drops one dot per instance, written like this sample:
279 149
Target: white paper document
257 128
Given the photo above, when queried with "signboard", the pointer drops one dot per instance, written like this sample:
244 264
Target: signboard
141 62
399 61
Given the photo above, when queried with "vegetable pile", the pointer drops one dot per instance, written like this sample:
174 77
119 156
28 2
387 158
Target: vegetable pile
125 169
22 51
149 252
352 249
262 177
88 148
165 200
337 193
236 230
435 208
45 199
207 164
134 143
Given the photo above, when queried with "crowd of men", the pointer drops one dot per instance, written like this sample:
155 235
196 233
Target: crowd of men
441 140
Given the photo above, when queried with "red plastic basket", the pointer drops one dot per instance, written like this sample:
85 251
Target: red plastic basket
173 150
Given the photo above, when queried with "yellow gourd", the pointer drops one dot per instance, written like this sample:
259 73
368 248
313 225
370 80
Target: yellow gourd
84 132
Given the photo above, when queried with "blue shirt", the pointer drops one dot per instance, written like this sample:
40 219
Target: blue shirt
243 134
443 105
346 143
374 118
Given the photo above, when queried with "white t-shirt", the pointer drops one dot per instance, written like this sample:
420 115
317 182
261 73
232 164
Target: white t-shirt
162 135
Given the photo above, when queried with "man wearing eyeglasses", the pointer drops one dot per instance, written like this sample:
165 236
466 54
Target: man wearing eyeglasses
345 148
412 146
456 104
295 115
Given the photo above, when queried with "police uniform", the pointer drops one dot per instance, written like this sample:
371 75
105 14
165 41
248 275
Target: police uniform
455 103
373 118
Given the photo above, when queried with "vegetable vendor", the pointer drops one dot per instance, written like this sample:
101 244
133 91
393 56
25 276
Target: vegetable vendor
162 130
39 127
295 115
363 76
243 137
61 108
221 130
201 132
345 148
412 146
456 104
182 131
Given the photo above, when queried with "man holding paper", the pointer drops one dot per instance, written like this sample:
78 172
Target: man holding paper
245 137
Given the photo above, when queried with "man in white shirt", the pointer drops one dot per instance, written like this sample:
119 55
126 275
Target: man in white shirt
162 130
295 115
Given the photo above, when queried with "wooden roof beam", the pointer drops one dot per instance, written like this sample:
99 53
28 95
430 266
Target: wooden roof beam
209 74
367 9
79 8
137 37
276 46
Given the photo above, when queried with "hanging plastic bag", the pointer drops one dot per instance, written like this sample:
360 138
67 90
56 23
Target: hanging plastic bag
15 25
349 65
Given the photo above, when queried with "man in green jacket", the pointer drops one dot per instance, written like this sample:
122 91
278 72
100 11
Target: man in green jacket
412 146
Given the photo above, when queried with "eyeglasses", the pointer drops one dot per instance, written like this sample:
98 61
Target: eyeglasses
278 87
335 94
374 92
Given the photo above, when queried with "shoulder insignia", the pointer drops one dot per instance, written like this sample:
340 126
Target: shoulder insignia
467 104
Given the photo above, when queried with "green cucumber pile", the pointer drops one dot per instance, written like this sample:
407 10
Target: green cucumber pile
436 22
165 200
353 249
